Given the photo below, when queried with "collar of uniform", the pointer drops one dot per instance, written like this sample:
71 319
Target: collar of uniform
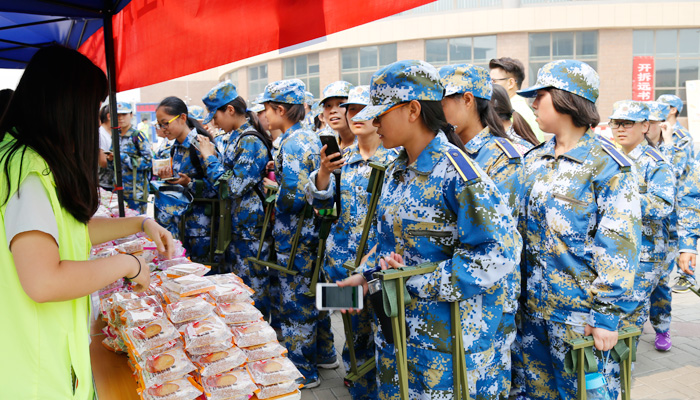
578 153
428 158
478 141
188 140
291 130
246 125
637 151
354 156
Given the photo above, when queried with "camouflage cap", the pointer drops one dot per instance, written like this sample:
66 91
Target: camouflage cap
124 107
358 95
195 112
401 82
630 110
336 89
316 109
308 98
290 91
658 111
463 78
569 75
672 100
219 96
256 108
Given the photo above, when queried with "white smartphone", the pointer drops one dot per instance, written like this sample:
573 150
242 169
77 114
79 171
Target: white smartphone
330 297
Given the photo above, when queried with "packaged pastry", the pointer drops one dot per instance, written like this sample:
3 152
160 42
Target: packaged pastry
234 384
220 361
132 247
278 389
253 334
272 371
230 293
289 396
155 333
137 304
166 366
163 167
103 253
187 268
165 264
231 279
238 313
180 389
210 348
189 285
206 332
188 309
179 343
264 351
141 316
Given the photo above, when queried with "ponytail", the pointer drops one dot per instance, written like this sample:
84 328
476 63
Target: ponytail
523 129
434 119
240 107
196 125
503 108
488 117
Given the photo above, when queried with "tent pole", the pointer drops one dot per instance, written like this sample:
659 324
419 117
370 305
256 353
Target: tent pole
113 119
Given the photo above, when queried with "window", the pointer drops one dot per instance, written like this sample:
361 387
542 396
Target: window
305 68
257 80
477 50
547 47
676 55
357 64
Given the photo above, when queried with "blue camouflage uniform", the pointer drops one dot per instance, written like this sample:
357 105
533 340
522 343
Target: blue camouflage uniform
581 223
501 161
198 216
521 144
308 122
136 160
243 165
345 235
689 209
657 191
444 209
298 156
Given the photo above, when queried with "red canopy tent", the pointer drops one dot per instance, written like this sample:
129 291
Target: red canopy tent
143 42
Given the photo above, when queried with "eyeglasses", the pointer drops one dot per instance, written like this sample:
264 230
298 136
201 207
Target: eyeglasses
166 124
376 119
499 79
624 124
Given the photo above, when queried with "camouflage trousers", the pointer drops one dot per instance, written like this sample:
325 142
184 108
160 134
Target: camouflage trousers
306 332
646 278
660 298
539 370
197 247
435 381
139 206
253 275
364 388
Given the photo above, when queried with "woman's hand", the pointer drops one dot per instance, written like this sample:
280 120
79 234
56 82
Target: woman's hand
183 180
164 172
354 280
666 132
206 147
392 261
141 276
687 263
160 236
327 166
604 339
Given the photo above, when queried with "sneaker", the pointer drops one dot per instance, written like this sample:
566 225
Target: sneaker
682 284
309 384
663 341
331 363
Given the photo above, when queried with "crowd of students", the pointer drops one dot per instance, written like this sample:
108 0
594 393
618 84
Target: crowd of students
537 242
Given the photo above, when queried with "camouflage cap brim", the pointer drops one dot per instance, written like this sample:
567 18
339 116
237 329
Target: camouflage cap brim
531 91
371 112
208 118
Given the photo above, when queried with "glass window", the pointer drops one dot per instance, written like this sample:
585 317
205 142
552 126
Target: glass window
257 80
676 55
546 47
359 63
477 50
304 67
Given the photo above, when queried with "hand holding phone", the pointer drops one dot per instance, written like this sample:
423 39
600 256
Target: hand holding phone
330 296
331 147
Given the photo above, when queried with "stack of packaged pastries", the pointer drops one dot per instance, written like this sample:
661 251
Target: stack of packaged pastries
191 336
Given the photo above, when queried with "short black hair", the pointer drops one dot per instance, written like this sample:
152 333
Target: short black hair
511 66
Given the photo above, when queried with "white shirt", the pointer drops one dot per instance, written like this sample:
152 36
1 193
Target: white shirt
105 139
29 209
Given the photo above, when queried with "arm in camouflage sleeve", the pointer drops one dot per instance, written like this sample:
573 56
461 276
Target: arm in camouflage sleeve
301 157
689 209
488 248
320 199
657 202
615 248
249 165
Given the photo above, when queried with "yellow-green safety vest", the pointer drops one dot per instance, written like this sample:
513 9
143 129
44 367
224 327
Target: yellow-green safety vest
44 347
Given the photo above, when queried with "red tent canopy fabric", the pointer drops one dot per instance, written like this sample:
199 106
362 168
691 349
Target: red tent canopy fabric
158 40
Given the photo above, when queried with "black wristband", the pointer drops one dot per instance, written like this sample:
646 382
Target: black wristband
138 261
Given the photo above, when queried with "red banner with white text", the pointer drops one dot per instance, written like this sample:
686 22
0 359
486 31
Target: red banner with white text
643 78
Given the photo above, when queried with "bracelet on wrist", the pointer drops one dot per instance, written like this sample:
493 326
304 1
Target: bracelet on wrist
144 222
138 273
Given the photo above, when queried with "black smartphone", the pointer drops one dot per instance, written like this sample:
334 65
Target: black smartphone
332 146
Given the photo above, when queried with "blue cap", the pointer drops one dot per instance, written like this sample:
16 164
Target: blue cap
124 107
672 100
594 381
658 111
256 108
463 78
308 98
358 95
571 76
336 89
220 95
630 110
195 112
290 91
401 82
316 110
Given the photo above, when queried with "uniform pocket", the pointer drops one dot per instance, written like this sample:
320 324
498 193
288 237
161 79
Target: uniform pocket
428 241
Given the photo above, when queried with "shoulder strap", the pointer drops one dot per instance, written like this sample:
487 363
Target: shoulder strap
654 154
194 159
266 142
619 158
606 140
507 147
135 140
679 133
462 164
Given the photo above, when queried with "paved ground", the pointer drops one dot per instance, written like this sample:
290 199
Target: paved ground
673 375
